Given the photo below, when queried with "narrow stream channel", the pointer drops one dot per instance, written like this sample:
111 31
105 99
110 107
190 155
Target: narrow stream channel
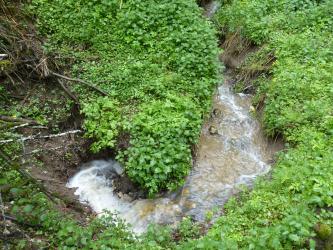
235 154
232 151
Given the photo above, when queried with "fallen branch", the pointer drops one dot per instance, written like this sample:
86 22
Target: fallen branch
10 78
2 208
68 92
36 137
3 56
15 119
80 81
20 126
39 127
26 125
13 219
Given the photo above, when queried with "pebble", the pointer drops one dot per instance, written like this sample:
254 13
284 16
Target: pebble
213 130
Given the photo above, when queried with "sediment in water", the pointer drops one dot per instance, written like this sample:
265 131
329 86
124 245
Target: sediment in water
235 154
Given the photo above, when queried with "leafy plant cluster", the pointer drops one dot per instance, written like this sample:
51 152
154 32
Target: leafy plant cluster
283 212
43 104
32 208
158 63
155 99
40 219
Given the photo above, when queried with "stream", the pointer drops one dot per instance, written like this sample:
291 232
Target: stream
234 155
232 152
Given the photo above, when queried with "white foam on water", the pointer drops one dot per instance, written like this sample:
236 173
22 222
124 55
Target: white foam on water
93 186
225 161
236 156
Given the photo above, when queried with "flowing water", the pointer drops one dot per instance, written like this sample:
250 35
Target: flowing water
232 151
234 154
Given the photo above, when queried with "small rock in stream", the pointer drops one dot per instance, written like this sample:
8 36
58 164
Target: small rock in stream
217 113
252 109
127 198
213 130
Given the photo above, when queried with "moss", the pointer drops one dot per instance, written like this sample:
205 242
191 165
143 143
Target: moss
5 65
323 231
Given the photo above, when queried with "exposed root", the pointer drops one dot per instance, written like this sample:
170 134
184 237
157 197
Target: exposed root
235 50
19 43
256 64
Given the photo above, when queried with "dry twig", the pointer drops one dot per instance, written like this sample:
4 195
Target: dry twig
80 81
21 120
36 137
68 92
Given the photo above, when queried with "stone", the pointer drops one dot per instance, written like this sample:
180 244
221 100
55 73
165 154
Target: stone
252 109
118 169
213 130
217 112
127 198
6 231
120 195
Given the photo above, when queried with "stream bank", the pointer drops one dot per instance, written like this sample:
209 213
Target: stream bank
293 206
231 153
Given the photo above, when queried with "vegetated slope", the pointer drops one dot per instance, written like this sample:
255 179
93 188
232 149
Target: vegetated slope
282 213
287 211
157 62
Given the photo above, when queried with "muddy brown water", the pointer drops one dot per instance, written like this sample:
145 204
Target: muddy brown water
232 152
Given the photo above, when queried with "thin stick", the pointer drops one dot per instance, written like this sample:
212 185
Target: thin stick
19 77
3 56
41 137
15 119
20 126
80 81
13 219
68 92
2 208
11 79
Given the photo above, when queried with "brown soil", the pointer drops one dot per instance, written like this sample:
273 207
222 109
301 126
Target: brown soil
57 160
236 51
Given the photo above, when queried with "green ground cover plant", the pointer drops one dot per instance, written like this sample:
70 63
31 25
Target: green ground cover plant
156 60
281 213
159 77
40 219
154 95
